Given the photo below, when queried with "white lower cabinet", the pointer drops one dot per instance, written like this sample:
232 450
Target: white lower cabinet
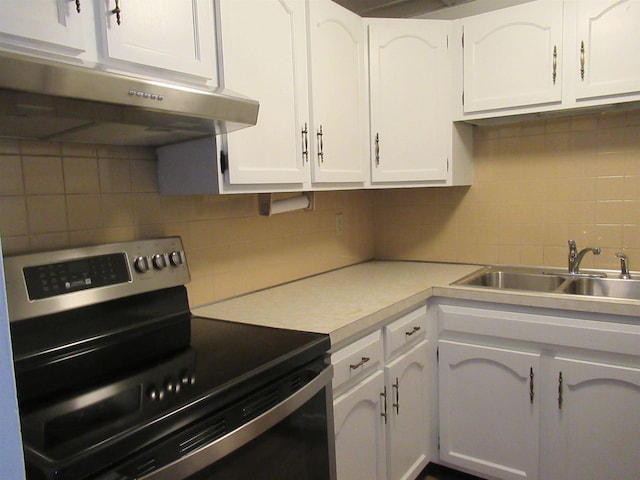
594 421
407 410
360 432
530 394
489 414
381 414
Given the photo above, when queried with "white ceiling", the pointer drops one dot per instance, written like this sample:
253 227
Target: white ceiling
397 8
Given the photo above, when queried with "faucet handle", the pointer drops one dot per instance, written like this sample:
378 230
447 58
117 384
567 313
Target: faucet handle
624 265
573 248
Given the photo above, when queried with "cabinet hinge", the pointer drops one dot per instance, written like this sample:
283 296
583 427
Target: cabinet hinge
447 42
447 164
462 39
438 442
463 99
438 359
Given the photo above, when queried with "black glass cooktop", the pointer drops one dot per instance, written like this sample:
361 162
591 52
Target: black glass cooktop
211 366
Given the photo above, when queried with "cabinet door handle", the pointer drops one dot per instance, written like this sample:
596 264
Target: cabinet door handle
582 60
555 64
383 407
560 391
320 145
414 330
305 144
78 6
396 404
362 361
377 149
531 385
117 12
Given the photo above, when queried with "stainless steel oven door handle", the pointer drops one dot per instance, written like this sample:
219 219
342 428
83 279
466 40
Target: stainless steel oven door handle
203 457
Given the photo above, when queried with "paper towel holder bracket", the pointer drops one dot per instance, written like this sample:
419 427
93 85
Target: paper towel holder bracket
268 206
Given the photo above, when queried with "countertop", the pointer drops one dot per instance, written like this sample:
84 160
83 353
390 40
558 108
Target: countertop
352 301
342 303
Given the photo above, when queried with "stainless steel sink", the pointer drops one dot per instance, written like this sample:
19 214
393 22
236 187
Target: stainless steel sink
516 281
553 281
604 287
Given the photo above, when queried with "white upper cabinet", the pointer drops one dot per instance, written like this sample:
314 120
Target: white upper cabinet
512 57
169 35
264 55
339 120
158 38
608 36
304 61
409 72
54 26
549 55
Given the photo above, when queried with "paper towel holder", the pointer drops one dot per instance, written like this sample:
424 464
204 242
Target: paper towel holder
268 206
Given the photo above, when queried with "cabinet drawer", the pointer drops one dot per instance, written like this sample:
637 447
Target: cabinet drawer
357 360
407 330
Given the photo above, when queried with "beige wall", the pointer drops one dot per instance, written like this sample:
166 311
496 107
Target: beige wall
536 184
64 195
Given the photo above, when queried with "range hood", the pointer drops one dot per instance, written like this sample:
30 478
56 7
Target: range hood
47 100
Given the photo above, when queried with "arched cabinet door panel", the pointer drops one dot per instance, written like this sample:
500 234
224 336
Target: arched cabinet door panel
607 40
512 57
359 431
489 409
595 420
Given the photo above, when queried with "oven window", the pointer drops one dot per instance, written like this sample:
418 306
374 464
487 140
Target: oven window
297 447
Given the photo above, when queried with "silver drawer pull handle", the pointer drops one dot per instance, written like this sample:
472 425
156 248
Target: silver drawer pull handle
362 361
415 329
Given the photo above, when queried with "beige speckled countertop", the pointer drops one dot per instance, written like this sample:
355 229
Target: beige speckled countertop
352 301
343 303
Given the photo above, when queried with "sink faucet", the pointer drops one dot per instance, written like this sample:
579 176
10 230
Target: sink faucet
624 266
575 257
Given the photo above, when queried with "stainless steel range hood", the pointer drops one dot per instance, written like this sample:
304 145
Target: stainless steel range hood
47 100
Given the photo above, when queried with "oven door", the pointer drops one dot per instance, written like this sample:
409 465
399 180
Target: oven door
294 439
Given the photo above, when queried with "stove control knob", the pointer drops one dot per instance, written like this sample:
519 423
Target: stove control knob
175 258
159 261
141 264
154 394
169 386
188 379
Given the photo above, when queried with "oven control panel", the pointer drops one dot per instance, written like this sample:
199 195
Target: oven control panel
50 282
53 279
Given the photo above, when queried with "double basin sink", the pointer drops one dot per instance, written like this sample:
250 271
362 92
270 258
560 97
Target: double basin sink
553 281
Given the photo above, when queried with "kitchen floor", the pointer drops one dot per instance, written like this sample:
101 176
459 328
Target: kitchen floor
437 472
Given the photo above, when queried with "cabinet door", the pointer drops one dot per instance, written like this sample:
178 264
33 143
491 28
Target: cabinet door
53 25
489 412
264 57
409 103
338 93
512 57
596 420
408 422
359 431
163 34
608 37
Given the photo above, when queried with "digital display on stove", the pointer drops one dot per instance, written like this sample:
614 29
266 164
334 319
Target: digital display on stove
45 281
